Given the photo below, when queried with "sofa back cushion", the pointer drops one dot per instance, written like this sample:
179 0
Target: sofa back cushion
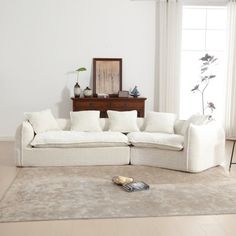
104 122
87 121
42 121
123 121
160 122
65 124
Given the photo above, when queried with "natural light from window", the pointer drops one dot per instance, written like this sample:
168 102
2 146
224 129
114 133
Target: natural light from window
203 31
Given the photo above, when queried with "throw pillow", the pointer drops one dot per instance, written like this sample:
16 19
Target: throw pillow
195 119
123 121
42 121
160 122
85 121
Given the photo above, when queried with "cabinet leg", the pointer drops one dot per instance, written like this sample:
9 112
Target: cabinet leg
232 155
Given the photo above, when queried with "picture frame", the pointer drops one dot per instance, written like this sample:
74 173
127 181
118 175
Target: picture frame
123 94
107 76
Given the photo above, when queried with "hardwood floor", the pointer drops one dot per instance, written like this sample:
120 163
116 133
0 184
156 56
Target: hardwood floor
217 225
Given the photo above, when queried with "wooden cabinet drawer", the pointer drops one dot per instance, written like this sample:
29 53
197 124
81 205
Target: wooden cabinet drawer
97 105
90 106
118 105
104 104
135 105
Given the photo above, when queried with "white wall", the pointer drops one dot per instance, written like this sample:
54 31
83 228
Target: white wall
42 40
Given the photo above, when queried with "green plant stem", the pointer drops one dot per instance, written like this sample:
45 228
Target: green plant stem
203 102
202 97
203 109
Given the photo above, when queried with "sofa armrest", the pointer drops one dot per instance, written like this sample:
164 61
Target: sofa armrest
23 137
205 146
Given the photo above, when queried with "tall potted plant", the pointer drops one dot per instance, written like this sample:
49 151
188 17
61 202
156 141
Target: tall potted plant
205 78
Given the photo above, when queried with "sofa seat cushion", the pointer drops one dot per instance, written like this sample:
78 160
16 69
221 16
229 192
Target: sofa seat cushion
157 140
79 139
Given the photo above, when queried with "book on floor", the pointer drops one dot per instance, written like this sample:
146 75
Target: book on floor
135 186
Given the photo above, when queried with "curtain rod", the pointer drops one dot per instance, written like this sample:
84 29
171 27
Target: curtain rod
190 1
193 2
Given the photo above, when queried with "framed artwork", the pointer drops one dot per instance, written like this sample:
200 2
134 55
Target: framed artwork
107 76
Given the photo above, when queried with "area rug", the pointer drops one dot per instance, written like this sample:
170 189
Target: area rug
56 193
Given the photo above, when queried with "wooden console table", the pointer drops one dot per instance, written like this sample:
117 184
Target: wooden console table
104 104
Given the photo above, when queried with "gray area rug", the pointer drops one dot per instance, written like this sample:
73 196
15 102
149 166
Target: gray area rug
54 193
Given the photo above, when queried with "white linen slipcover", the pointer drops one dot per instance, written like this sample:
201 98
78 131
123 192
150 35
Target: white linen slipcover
42 121
79 139
85 121
82 156
27 156
160 122
157 140
65 124
123 121
203 149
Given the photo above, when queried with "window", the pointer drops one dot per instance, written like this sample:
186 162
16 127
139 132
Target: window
203 31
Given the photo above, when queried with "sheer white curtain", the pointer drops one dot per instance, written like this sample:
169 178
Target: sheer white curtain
230 113
168 51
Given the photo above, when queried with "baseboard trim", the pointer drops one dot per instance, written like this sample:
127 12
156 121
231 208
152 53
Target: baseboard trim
7 139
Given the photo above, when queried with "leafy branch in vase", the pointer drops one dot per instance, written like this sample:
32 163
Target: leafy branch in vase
205 78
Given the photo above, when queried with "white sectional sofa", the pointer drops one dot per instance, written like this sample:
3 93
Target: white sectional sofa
199 148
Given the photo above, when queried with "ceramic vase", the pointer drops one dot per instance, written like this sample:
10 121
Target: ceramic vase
88 92
77 90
